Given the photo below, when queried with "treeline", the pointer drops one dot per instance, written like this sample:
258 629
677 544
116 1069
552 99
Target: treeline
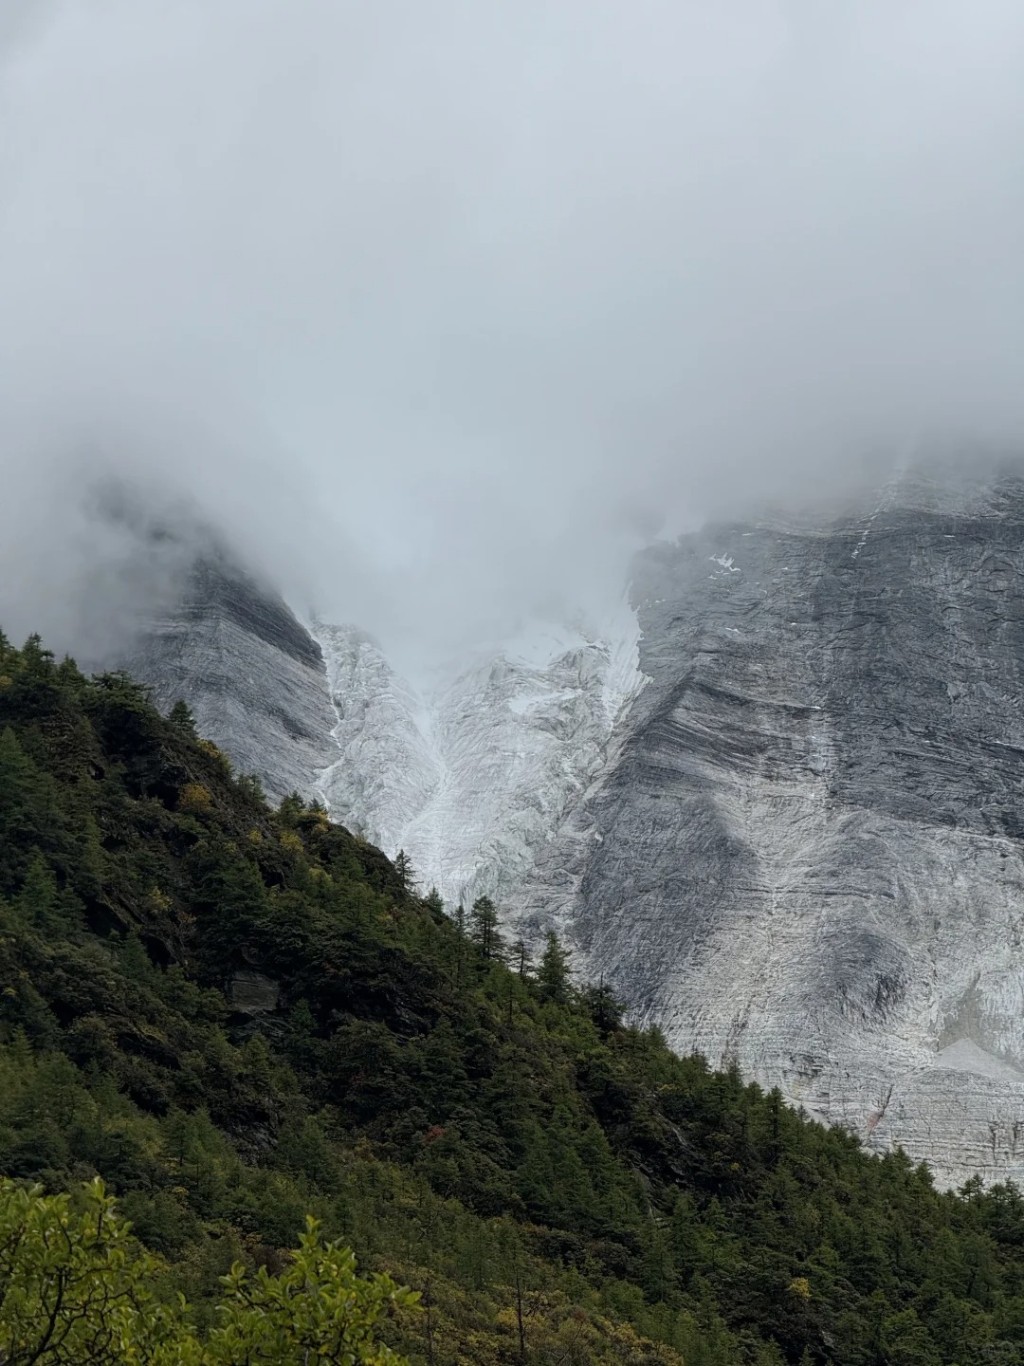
237 1016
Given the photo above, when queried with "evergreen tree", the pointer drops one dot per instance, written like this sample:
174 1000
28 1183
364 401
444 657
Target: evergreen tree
404 870
483 932
604 1008
553 972
38 900
291 809
181 717
519 958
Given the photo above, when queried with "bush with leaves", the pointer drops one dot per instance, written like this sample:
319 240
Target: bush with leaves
76 1287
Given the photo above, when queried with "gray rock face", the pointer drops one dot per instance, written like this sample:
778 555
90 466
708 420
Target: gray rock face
252 674
808 856
472 774
793 837
253 993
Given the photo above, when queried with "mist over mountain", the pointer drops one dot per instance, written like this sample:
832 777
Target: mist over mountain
441 312
349 358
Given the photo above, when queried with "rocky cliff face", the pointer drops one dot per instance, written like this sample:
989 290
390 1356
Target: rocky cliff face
785 820
808 856
254 677
474 770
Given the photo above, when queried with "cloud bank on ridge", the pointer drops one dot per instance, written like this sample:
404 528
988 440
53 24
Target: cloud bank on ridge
440 309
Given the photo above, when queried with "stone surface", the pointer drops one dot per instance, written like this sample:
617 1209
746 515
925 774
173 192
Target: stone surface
808 855
472 772
786 822
253 993
253 676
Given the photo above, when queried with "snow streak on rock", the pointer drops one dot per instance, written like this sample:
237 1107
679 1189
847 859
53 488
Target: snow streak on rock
472 773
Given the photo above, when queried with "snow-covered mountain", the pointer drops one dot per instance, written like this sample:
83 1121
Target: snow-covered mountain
473 771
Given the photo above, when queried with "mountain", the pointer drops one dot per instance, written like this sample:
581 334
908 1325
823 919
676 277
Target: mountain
165 598
808 856
775 801
236 1014
472 772
252 675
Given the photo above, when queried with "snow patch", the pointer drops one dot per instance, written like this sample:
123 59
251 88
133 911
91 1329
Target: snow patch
726 562
473 771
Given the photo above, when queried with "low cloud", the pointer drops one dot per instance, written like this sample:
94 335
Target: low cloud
439 310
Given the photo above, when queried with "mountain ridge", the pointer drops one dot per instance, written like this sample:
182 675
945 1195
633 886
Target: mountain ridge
805 795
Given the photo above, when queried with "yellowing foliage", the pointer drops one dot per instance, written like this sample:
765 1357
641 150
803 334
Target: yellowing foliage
195 799
292 842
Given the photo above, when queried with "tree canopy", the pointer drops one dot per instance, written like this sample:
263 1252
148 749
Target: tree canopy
237 1017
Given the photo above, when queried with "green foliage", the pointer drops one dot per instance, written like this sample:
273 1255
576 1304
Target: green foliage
76 1287
316 1309
180 716
404 871
553 972
483 928
236 1016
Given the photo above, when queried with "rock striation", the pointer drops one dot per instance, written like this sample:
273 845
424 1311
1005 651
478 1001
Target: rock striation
254 677
472 771
807 858
778 803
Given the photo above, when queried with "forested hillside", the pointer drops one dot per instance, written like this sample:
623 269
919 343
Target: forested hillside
236 1016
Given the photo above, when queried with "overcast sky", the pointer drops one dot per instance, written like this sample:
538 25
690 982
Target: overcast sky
439 306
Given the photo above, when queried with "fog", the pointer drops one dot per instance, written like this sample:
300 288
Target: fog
440 309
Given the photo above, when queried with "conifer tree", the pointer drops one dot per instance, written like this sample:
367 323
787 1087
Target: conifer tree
603 1007
484 931
291 808
404 869
181 718
519 957
38 900
553 973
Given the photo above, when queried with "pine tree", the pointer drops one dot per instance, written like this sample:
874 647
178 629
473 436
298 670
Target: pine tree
406 874
603 1007
181 718
484 928
519 957
26 817
291 809
553 973
39 900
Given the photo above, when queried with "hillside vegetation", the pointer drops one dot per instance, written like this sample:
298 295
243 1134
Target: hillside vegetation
237 1016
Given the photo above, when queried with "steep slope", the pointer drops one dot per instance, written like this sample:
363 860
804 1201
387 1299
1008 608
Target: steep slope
235 1014
472 773
781 812
254 677
808 856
